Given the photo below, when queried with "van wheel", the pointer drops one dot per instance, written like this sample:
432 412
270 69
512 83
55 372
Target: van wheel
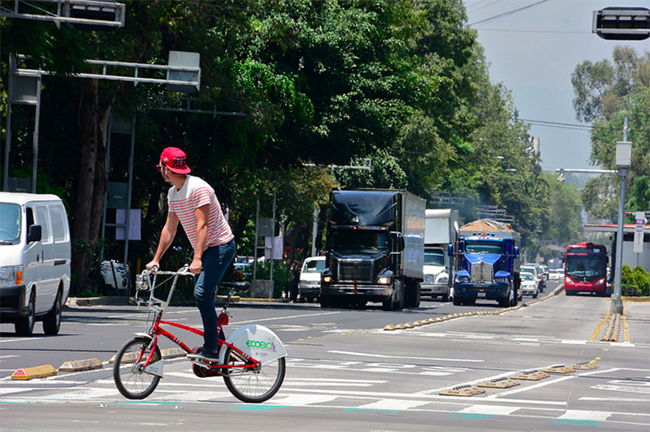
52 321
25 325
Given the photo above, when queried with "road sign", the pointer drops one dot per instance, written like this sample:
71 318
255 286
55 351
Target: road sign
638 231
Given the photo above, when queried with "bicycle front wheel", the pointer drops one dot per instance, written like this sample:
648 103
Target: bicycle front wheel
253 384
128 370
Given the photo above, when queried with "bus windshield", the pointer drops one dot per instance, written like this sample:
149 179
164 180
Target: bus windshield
592 266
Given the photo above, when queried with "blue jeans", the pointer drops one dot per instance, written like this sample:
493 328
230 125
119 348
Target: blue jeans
216 261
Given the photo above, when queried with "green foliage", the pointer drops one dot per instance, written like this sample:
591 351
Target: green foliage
636 278
606 93
281 276
563 224
290 82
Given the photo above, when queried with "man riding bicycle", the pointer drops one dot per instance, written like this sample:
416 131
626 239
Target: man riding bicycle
194 204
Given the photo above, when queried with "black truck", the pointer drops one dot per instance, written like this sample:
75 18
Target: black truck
375 249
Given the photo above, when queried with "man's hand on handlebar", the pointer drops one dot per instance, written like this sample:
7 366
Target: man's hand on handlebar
196 266
153 265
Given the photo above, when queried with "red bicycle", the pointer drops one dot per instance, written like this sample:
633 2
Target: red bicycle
251 360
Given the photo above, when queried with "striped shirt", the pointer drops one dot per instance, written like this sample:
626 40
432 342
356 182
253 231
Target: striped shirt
196 193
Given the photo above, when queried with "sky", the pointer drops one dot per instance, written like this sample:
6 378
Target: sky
533 52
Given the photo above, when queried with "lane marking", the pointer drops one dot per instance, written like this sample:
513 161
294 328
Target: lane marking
583 415
393 405
360 354
489 409
254 321
597 331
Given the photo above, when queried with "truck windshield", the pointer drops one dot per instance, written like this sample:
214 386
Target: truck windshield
434 257
350 241
9 223
586 265
483 247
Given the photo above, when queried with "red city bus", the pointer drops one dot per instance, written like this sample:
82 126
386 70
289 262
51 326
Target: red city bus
585 269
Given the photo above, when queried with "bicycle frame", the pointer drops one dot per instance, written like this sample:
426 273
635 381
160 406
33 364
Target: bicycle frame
157 306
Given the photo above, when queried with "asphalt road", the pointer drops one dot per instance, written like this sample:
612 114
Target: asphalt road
345 372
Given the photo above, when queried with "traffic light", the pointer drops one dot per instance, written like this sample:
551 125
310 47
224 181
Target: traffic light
630 213
95 14
622 23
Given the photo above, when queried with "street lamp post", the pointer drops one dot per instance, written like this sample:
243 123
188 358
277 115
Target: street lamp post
621 23
623 161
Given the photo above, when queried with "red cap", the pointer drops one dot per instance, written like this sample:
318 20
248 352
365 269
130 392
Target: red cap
175 159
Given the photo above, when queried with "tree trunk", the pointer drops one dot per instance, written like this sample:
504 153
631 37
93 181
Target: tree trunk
91 183
82 251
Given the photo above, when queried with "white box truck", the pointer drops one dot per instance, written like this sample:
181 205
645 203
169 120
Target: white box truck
34 261
440 230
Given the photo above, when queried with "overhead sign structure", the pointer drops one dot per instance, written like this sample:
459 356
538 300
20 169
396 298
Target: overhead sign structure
82 14
622 23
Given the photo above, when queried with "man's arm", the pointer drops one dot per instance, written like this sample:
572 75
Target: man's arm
202 215
166 237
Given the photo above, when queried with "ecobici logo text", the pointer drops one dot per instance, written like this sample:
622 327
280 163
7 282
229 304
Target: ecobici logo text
265 345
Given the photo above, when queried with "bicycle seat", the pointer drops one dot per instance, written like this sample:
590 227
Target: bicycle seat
237 286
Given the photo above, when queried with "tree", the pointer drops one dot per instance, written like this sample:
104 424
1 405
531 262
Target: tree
625 93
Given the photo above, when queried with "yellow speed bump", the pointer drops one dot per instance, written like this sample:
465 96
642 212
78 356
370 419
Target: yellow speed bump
559 369
533 375
81 365
585 365
34 372
499 383
463 390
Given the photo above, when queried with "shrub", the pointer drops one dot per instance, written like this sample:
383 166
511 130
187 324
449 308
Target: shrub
281 276
630 291
636 281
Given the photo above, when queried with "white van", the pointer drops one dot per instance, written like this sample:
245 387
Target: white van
309 283
34 261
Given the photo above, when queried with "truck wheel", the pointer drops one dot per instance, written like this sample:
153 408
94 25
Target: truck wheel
418 295
457 301
324 302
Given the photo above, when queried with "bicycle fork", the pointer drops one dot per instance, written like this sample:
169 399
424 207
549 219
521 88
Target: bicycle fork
150 368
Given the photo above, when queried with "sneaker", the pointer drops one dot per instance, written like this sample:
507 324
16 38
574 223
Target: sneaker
205 354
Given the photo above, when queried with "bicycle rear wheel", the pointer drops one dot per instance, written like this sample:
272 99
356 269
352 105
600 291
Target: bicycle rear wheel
130 378
254 384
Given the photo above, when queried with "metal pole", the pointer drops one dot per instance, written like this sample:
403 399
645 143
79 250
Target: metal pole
5 181
273 235
617 304
37 120
129 193
257 224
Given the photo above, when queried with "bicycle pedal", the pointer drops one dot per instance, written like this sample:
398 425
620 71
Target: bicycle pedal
202 364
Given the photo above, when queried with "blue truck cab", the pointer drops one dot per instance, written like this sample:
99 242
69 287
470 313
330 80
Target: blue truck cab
487 264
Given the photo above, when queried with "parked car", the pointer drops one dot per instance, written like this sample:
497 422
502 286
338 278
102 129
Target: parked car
309 283
34 261
529 285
